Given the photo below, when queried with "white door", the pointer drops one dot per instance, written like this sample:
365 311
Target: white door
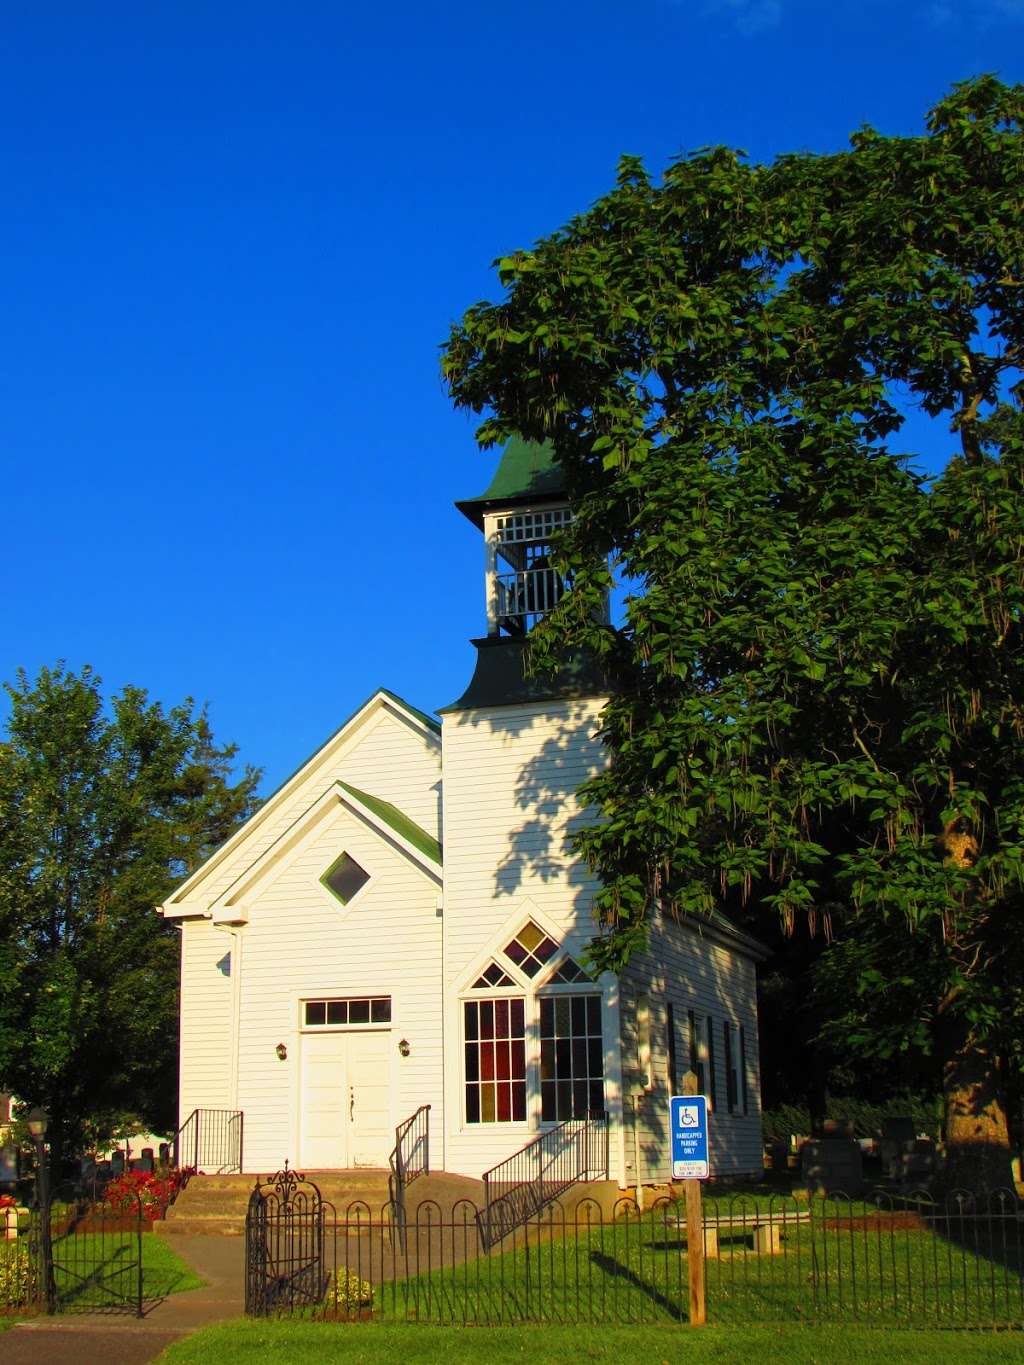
346 1100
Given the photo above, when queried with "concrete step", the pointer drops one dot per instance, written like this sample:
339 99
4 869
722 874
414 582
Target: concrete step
218 1203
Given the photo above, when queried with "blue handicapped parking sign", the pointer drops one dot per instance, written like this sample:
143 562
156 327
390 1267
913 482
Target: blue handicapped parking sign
688 1119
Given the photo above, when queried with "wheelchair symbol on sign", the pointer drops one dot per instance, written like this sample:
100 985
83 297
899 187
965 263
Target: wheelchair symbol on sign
688 1117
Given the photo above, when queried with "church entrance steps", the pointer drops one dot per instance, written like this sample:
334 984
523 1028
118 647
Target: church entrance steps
218 1203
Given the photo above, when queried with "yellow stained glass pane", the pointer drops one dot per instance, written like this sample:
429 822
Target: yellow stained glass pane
487 1114
529 936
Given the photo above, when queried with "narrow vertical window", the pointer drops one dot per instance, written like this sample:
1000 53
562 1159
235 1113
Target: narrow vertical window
712 1086
743 1071
670 1044
730 1066
696 1062
643 1040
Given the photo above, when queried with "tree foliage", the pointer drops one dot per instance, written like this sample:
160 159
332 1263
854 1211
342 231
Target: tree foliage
102 810
817 705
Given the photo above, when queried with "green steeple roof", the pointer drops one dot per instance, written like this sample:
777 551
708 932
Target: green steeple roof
527 472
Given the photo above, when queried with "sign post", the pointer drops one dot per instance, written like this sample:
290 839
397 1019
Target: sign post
688 1118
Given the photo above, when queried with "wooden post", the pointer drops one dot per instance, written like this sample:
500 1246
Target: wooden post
695 1233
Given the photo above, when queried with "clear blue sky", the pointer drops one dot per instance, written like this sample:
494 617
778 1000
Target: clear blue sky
234 236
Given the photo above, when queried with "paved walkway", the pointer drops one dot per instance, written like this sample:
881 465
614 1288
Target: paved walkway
115 1340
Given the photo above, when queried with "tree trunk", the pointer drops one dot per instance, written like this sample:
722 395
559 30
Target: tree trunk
976 1130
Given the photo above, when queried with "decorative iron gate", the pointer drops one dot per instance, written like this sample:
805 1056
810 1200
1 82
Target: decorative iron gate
88 1255
285 1267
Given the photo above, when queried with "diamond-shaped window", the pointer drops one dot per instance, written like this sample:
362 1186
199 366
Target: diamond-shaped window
345 877
530 949
569 971
492 975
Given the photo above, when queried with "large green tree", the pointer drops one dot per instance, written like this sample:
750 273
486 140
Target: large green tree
102 809
817 703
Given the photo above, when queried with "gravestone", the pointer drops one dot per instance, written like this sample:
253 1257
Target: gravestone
834 1165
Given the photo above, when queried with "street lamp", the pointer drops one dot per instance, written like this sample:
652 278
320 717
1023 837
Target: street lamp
38 1122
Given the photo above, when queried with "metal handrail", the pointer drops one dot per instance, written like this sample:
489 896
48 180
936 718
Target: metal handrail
210 1138
522 1185
409 1158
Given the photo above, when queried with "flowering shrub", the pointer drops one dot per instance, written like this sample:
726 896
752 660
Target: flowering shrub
17 1275
346 1292
156 1190
7 1201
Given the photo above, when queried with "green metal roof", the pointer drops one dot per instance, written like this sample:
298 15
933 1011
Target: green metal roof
390 815
527 471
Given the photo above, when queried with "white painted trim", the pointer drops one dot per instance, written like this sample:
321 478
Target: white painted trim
230 906
173 907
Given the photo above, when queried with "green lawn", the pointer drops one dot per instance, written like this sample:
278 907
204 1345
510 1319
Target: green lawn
299 1343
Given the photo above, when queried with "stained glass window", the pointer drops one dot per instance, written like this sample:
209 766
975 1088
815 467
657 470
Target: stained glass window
492 975
571 1057
530 949
568 972
495 1052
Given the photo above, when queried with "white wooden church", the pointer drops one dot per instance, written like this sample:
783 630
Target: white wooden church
402 924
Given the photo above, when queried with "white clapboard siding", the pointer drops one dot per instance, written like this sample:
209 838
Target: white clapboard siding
385 754
300 943
693 972
510 780
206 1018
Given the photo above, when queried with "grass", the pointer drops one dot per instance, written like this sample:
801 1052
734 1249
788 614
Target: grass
635 1270
308 1343
94 1270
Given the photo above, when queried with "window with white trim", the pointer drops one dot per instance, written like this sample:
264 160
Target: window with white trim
530 949
351 1011
494 1041
344 878
571 1057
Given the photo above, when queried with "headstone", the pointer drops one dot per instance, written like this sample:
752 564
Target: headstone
145 1161
833 1165
8 1164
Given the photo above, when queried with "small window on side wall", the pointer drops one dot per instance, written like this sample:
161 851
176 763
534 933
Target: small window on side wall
344 878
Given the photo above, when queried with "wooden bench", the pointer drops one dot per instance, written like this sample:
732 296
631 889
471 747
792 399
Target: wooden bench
764 1226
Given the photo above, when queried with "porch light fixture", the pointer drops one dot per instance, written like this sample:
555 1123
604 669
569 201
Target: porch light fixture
282 1052
404 1048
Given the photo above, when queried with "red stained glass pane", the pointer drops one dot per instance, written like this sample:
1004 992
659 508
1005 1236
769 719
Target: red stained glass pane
519 1061
487 1061
502 1061
518 1018
501 1019
504 1104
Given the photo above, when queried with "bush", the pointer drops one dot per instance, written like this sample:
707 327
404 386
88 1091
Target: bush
18 1284
867 1117
347 1293
156 1191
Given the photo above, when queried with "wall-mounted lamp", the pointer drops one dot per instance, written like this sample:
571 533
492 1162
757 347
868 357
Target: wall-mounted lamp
282 1052
404 1048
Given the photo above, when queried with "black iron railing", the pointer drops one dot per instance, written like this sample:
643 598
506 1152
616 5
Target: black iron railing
409 1158
518 1188
210 1140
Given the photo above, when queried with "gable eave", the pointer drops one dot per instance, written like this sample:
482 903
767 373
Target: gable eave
380 699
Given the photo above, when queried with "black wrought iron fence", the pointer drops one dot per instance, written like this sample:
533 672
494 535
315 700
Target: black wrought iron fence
910 1261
